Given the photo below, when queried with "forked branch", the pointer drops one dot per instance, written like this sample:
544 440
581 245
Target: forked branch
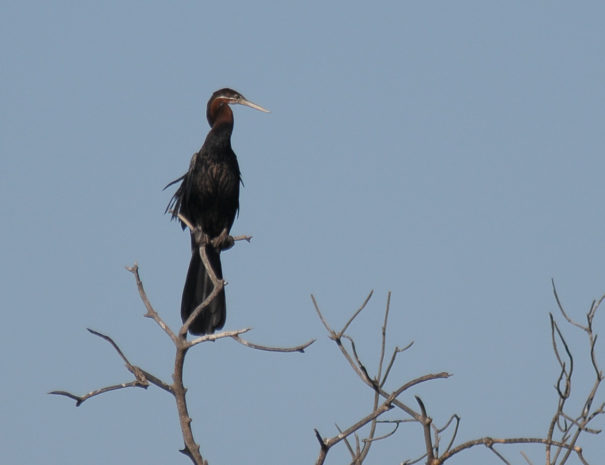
177 389
376 383
564 430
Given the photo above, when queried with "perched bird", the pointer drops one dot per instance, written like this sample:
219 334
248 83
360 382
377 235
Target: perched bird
209 198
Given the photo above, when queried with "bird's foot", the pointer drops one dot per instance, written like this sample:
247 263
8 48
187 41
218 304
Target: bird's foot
201 237
222 242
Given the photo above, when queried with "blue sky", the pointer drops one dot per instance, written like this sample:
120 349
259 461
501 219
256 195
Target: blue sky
451 152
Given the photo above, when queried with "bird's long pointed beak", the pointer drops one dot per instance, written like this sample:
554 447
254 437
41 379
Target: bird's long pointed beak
250 104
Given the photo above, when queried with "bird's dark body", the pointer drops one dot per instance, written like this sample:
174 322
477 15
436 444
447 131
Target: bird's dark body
209 198
209 193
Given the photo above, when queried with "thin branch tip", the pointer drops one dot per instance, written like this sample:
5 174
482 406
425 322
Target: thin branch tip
134 268
299 348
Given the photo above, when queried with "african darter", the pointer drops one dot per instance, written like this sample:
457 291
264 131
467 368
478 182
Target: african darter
209 198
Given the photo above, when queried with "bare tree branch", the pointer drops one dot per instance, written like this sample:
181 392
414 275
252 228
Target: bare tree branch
426 427
353 453
498 454
359 367
563 432
488 441
554 289
364 376
216 336
80 399
142 377
396 351
384 407
413 461
182 345
363 305
529 462
570 427
299 348
151 313
439 431
383 337
387 435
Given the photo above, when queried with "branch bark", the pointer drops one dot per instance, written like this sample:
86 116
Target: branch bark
177 388
570 427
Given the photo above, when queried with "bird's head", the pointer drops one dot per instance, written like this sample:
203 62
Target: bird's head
227 96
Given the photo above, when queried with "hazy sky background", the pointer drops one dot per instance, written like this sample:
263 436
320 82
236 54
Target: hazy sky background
451 152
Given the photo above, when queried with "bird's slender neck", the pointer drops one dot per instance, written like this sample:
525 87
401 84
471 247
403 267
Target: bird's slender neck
219 137
222 127
220 114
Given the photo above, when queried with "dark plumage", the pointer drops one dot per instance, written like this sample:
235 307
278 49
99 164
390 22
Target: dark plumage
209 198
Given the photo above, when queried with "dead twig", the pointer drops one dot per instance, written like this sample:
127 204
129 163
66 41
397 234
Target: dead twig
142 377
488 441
325 444
426 427
151 313
80 399
217 336
529 462
387 435
363 375
376 383
182 345
439 431
569 427
396 351
299 348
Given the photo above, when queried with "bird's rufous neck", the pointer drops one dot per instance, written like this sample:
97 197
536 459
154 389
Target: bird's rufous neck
220 113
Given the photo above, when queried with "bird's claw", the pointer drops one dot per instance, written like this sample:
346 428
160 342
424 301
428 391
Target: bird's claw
200 236
227 243
222 242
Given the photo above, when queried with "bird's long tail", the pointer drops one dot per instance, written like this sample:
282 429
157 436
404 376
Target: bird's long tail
198 286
